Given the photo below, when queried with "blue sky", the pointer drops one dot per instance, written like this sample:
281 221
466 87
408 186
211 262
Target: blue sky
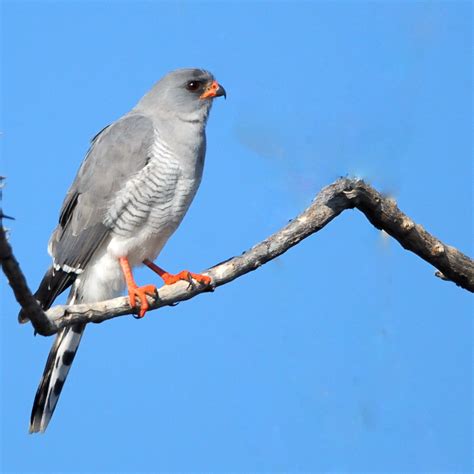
344 355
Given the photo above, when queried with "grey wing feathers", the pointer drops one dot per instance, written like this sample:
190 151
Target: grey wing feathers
117 153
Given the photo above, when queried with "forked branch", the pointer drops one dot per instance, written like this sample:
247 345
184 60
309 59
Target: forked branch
381 211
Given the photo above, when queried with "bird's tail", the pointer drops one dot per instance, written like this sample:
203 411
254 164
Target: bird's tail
55 372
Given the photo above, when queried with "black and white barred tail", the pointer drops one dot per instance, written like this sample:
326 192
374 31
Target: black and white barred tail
62 353
55 372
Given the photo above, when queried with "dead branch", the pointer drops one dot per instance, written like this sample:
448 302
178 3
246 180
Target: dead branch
382 212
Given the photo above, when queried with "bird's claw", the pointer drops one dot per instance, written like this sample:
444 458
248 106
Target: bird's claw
141 292
185 275
189 279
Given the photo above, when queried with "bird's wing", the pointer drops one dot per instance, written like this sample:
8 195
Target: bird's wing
117 153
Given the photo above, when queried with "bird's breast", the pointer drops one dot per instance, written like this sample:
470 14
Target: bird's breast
153 204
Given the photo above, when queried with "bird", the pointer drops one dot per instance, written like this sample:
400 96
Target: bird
130 194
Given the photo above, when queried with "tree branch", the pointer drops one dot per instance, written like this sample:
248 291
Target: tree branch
382 212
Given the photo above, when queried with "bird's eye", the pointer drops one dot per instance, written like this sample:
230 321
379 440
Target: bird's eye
193 85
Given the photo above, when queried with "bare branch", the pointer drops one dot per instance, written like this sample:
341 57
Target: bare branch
343 194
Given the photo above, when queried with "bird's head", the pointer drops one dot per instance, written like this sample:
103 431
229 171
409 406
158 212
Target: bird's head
188 93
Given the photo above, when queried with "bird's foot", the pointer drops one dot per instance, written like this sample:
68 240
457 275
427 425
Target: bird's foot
185 275
140 292
134 290
169 278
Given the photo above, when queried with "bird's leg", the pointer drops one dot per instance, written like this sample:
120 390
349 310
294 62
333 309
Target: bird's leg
134 290
169 278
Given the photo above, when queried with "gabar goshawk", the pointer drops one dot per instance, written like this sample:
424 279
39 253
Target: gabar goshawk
130 194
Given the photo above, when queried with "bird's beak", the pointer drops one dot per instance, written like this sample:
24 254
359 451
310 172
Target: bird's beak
214 89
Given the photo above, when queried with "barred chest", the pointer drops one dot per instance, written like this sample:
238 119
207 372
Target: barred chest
171 194
153 203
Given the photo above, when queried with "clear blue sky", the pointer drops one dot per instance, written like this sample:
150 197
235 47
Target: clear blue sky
344 355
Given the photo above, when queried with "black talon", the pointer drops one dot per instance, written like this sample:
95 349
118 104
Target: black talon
191 282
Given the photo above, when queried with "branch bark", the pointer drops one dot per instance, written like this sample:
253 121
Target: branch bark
382 212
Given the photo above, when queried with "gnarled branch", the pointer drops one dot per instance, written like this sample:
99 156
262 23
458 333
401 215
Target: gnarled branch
343 194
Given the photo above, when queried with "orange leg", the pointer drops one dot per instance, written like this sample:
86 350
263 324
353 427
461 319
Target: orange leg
169 279
134 290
